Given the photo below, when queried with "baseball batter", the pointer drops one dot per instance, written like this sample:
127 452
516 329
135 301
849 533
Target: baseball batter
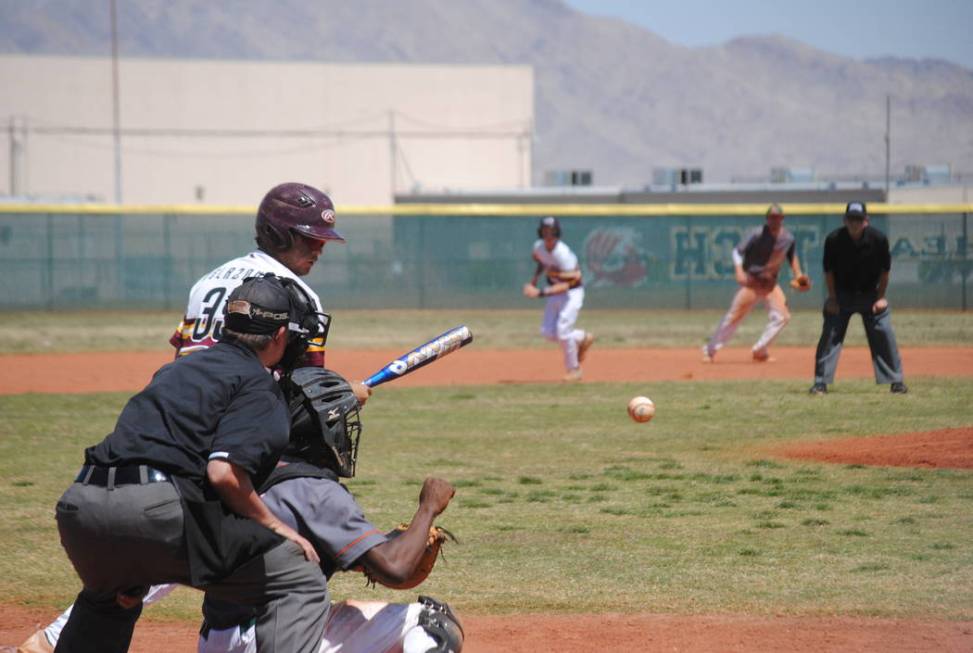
757 260
294 222
564 293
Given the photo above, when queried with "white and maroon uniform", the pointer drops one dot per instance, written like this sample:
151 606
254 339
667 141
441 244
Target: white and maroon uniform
561 310
203 322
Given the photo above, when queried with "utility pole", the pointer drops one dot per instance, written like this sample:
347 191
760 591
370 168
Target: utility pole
17 132
393 156
13 157
116 109
888 143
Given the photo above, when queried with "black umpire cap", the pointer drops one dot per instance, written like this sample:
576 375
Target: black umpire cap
856 211
259 305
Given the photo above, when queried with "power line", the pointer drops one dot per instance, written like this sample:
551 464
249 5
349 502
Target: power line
180 132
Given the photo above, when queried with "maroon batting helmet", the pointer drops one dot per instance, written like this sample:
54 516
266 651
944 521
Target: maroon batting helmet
294 207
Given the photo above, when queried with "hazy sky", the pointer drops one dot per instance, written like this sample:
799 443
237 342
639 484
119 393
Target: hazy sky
941 29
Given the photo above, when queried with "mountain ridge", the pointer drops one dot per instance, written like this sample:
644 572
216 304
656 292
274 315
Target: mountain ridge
611 96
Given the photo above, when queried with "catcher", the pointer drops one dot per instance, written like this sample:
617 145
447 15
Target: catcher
756 262
305 493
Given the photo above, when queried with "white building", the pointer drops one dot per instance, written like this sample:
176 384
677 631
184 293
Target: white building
223 132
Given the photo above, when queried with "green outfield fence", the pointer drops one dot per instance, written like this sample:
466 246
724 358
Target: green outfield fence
457 256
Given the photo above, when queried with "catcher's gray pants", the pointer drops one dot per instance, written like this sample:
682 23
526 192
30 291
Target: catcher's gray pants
132 536
878 330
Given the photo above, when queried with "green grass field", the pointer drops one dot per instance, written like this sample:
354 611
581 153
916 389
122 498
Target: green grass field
493 329
563 504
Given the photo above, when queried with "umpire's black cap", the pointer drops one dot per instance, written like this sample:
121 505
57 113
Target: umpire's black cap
259 305
856 211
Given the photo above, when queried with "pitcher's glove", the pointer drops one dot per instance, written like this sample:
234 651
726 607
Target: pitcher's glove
434 543
801 283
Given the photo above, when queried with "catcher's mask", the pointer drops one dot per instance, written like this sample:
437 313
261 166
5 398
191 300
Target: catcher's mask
305 325
325 422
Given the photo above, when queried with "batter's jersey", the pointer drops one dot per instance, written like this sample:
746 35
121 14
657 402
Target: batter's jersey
763 254
203 322
560 258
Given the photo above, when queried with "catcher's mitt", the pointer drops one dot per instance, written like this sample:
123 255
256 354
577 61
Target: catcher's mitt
434 543
801 283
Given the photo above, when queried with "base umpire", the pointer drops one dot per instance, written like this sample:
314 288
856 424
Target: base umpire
857 263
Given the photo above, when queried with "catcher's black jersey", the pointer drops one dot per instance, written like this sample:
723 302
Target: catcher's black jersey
219 404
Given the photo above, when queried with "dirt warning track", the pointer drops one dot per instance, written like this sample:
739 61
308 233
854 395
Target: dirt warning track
130 371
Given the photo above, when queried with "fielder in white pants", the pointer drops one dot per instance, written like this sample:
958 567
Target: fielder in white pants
757 261
564 293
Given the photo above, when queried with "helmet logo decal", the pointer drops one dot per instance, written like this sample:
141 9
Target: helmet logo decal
334 413
328 216
304 201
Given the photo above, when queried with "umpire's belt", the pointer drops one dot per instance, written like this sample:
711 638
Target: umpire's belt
125 475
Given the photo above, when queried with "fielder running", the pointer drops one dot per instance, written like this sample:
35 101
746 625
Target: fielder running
564 293
757 260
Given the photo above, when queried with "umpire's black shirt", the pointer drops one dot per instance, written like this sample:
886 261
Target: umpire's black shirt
857 266
217 404
220 403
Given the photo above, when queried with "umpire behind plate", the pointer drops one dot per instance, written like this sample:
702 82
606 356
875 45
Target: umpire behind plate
169 495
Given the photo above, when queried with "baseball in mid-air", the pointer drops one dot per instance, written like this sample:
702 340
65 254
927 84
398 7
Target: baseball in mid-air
641 409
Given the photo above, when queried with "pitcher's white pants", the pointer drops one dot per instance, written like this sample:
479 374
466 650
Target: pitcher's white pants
560 314
743 302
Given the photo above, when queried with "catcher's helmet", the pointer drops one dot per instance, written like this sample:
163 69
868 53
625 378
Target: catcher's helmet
549 221
294 207
325 422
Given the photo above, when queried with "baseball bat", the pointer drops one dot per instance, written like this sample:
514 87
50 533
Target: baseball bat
441 345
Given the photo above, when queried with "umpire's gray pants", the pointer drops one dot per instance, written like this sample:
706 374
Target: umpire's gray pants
132 535
878 329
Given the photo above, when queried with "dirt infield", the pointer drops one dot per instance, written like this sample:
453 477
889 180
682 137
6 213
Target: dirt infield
943 448
623 633
128 372
617 633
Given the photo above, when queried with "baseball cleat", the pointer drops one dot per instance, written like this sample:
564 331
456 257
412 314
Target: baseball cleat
586 342
898 388
573 375
818 389
761 356
707 354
